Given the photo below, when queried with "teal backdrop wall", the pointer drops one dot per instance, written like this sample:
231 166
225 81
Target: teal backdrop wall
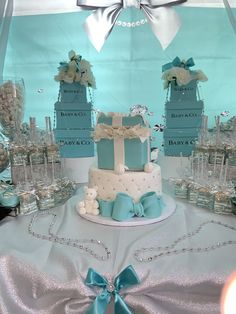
128 68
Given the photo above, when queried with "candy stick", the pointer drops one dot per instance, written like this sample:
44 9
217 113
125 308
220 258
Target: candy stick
45 167
53 170
50 130
198 166
201 137
181 163
221 169
47 130
226 172
192 165
205 128
202 166
25 171
32 129
217 121
31 169
214 168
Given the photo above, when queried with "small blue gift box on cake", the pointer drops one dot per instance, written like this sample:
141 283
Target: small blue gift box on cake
73 92
122 140
74 143
180 141
188 114
73 115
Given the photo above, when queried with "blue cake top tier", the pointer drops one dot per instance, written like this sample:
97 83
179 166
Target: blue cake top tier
123 142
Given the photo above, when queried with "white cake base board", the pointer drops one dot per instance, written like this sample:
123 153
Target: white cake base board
167 211
77 169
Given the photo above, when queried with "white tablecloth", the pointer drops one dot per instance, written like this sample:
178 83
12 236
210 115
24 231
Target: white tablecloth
39 276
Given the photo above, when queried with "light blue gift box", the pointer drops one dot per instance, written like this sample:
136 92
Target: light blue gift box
73 115
74 143
73 92
136 153
184 92
187 114
180 141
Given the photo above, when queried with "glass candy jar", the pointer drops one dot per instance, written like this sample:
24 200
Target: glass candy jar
3 187
4 160
216 154
231 155
181 188
193 192
12 91
205 198
233 202
45 197
223 203
53 154
36 154
28 202
9 198
18 155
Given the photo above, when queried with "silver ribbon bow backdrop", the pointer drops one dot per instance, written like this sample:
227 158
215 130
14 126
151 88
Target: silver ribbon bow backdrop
163 20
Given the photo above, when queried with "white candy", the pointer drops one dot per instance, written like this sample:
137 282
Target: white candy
11 105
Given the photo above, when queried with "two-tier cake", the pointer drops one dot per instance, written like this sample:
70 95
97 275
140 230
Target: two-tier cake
125 184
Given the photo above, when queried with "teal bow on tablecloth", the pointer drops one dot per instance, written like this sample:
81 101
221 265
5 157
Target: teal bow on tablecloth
178 63
125 279
123 208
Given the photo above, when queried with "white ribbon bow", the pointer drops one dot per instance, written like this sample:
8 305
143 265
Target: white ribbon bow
163 20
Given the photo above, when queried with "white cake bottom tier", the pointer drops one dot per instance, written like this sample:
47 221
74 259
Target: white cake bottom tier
133 183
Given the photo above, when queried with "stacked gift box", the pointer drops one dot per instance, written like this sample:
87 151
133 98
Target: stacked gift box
74 122
73 113
183 108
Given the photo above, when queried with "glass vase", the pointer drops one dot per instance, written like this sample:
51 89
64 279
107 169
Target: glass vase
12 95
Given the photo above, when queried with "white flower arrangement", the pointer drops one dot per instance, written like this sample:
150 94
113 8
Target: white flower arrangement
181 74
76 70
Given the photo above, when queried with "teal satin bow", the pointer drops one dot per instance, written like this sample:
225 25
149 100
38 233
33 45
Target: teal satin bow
123 208
64 66
125 279
178 63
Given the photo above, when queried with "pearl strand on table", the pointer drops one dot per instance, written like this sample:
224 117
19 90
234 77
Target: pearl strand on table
81 244
169 250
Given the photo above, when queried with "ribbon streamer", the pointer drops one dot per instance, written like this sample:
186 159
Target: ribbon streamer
231 16
125 279
123 208
163 20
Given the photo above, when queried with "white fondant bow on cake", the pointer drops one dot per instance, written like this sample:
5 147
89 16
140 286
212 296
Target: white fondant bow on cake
162 18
